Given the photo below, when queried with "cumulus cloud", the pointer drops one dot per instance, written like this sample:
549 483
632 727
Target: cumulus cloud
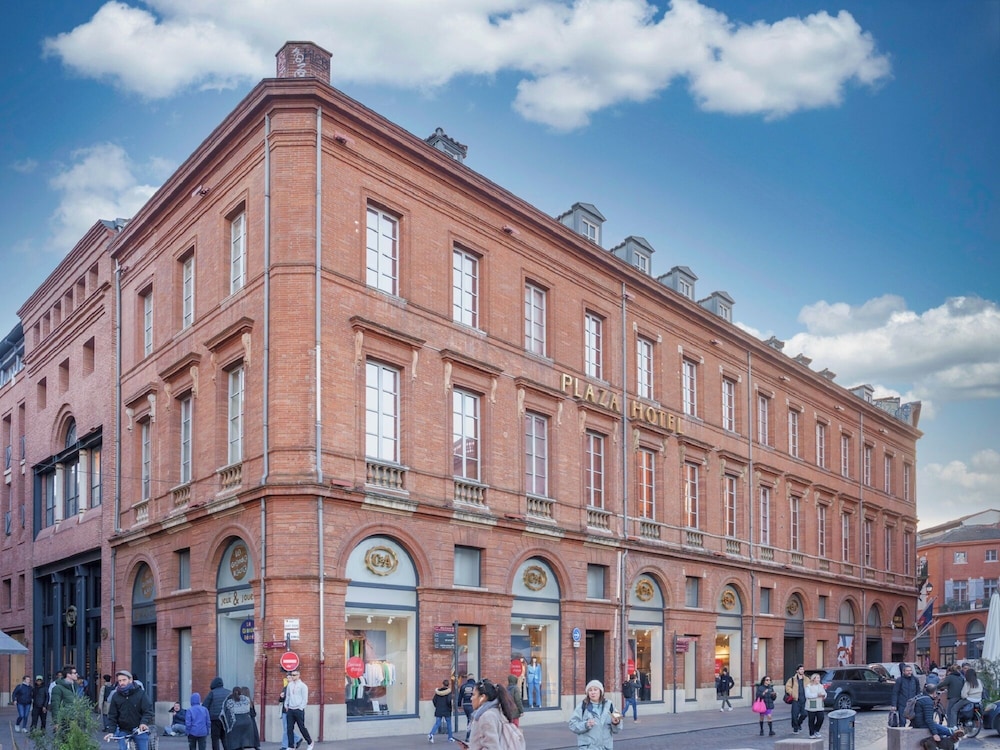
100 183
948 353
575 58
959 487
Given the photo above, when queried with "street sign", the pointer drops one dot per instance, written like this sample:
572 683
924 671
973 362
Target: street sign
576 635
275 644
444 637
289 661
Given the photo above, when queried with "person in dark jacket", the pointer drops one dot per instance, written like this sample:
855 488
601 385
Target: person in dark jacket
515 695
130 709
723 684
215 701
40 704
63 693
239 719
197 724
442 711
22 697
905 687
465 696
765 691
923 714
954 683
178 721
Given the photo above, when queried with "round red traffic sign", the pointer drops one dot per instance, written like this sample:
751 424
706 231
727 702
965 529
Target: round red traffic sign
289 661
355 667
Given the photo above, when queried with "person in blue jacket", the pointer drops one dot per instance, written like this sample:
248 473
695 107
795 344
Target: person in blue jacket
197 724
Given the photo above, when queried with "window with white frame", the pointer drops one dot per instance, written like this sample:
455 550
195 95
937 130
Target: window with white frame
646 481
730 484
591 231
763 419
147 322
907 553
989 587
991 555
686 288
94 470
821 531
536 454
845 537
534 319
793 433
594 470
382 251
691 508
765 515
907 478
187 292
146 459
465 435
237 252
593 345
887 548
689 387
867 466
642 262
644 367
887 474
960 558
186 433
794 523
381 412
236 415
845 456
960 591
821 445
465 287
729 404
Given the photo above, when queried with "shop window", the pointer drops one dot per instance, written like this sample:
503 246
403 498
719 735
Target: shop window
534 632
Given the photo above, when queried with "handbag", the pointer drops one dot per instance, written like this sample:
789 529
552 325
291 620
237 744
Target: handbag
759 706
788 698
893 718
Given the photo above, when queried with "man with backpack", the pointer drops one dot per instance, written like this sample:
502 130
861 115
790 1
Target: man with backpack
923 714
630 691
465 696
906 687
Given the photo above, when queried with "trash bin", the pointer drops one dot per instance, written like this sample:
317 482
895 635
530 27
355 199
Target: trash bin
842 729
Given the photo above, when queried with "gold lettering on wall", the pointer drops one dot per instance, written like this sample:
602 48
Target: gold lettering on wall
605 397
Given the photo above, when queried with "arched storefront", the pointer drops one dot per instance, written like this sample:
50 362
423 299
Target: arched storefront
873 635
534 628
645 644
380 642
234 615
975 632
729 635
845 634
795 634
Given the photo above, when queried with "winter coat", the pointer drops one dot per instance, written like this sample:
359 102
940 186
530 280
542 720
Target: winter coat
923 713
904 689
197 723
766 693
63 692
41 696
216 699
486 723
954 683
815 697
599 736
466 694
442 702
973 694
239 719
22 694
724 684
129 708
516 695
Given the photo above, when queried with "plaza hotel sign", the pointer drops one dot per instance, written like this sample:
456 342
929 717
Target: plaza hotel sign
605 397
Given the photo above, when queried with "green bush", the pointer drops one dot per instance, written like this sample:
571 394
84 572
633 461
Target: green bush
75 729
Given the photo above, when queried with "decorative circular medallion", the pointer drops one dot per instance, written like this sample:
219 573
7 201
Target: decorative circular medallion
728 599
792 607
381 560
239 562
644 590
535 578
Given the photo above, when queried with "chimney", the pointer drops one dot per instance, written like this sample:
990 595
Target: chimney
304 60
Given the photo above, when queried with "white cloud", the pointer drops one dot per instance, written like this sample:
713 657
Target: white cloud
25 166
101 183
959 488
576 58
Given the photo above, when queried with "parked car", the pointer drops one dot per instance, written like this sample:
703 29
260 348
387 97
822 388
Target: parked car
890 670
854 686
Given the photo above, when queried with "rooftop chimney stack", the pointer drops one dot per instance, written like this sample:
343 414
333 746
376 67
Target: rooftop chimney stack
304 60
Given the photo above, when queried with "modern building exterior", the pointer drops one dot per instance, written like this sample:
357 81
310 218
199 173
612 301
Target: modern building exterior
959 561
372 409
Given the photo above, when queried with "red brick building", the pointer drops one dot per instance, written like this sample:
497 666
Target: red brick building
366 394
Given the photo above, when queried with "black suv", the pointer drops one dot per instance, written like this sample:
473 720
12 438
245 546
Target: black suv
854 686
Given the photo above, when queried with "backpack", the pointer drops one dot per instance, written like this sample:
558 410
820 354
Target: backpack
909 711
511 737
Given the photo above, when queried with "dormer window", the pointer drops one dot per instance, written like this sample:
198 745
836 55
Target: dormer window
591 231
642 263
685 288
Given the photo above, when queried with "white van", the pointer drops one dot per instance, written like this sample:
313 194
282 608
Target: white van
891 669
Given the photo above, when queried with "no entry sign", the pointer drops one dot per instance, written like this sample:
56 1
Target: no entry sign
289 661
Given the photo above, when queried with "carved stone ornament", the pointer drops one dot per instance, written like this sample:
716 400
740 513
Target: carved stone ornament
728 599
381 560
535 578
644 590
792 607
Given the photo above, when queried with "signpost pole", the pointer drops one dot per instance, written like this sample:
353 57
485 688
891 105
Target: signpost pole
455 677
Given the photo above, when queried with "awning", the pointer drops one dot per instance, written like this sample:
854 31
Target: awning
9 646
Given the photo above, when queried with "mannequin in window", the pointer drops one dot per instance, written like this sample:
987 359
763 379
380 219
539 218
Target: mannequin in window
534 683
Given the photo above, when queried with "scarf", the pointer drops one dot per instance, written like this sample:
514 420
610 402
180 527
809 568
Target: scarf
485 707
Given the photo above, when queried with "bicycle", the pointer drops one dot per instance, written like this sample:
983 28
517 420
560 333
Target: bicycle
130 738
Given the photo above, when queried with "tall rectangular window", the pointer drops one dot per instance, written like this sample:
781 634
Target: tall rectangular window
887 548
821 445
646 483
692 591
765 515
184 568
763 420
689 387
534 319
597 576
821 531
465 287
845 456
845 537
381 412
237 252
644 368
536 454
887 475
187 292
594 470
96 477
691 508
147 323
907 478
730 490
868 542
382 251
729 404
146 459
71 494
465 435
186 412
867 466
593 346
793 433
50 498
236 415
907 553
468 563
794 524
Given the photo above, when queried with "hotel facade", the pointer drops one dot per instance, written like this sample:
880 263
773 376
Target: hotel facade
332 392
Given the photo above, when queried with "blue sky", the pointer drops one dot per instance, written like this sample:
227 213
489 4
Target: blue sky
833 166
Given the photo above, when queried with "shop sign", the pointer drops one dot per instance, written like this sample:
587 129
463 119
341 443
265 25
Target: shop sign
355 667
444 637
246 630
681 646
636 410
515 667
235 599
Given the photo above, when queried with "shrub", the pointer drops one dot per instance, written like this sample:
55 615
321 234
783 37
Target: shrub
76 729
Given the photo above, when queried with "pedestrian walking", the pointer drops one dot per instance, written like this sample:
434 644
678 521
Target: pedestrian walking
40 704
466 702
515 694
197 724
23 696
215 701
765 692
723 684
595 722
442 711
492 717
795 687
239 720
815 706
630 695
296 700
